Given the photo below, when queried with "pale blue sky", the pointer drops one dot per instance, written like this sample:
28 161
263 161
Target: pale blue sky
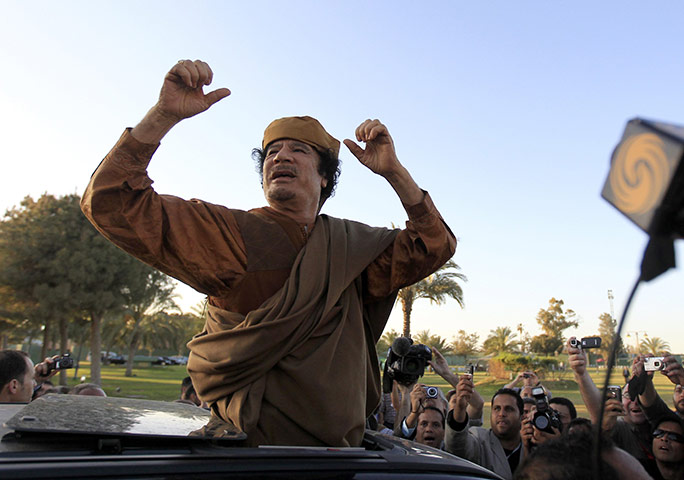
507 112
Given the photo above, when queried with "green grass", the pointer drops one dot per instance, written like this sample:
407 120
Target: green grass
163 383
149 383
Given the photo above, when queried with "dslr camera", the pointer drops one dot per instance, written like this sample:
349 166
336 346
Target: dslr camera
405 363
545 418
61 363
586 342
652 364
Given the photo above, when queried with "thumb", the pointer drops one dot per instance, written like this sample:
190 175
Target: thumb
216 95
355 149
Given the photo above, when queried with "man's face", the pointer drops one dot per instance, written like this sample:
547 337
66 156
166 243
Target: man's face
563 414
526 392
430 430
678 399
634 414
529 409
290 173
665 449
505 419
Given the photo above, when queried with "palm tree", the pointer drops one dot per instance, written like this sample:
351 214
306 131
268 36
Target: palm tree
436 288
655 345
436 341
500 340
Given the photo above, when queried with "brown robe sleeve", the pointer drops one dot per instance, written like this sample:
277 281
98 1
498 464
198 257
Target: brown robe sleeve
196 242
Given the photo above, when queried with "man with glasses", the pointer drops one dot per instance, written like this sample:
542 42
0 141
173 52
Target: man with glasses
668 447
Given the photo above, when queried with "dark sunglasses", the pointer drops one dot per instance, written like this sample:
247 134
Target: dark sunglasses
672 436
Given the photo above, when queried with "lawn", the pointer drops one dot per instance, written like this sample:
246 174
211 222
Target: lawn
163 383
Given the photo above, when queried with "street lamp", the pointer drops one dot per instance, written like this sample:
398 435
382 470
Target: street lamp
638 344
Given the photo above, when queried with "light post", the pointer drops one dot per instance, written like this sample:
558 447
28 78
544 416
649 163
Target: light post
637 350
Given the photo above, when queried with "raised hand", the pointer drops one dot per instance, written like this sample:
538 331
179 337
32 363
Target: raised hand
182 95
379 155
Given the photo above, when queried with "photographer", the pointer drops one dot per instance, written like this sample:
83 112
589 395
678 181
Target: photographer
19 377
540 422
410 406
498 449
625 422
651 403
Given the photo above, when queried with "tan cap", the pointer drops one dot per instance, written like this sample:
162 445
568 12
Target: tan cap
305 129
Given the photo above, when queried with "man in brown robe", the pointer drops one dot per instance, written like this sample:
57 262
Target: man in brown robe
296 299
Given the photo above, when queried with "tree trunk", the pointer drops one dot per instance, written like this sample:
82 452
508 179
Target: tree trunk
63 346
95 348
132 347
406 308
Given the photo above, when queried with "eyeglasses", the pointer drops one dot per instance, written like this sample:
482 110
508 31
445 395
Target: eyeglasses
672 436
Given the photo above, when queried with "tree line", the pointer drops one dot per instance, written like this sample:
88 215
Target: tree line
553 321
63 282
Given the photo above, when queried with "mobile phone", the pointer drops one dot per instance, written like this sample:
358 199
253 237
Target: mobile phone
470 369
615 392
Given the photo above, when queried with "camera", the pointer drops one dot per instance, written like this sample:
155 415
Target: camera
405 363
61 363
470 370
545 417
586 342
615 392
431 392
526 375
652 364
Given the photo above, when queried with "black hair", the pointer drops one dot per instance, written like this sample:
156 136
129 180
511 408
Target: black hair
328 168
436 410
568 403
512 393
13 366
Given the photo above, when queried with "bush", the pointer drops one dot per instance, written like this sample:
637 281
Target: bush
515 362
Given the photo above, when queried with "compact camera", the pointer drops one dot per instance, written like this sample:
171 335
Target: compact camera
431 392
405 363
651 364
61 363
586 342
545 417
615 392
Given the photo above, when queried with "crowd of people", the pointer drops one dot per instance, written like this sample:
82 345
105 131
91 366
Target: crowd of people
641 436
534 434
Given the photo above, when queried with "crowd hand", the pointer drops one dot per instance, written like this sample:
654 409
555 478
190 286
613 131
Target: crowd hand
441 368
379 155
541 436
576 358
459 402
530 380
418 398
182 95
638 366
612 411
673 369
527 433
44 370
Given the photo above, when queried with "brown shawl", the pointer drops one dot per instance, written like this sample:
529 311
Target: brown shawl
302 368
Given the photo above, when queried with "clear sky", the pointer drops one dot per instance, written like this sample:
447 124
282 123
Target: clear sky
506 112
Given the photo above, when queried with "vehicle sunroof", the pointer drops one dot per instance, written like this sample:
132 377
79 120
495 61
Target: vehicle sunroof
109 415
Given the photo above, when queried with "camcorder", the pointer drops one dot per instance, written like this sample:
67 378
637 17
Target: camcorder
615 392
652 364
586 343
61 363
545 417
405 363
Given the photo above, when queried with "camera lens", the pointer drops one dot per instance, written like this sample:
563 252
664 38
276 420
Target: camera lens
541 422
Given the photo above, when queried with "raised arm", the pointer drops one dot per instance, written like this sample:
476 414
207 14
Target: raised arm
590 393
182 96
